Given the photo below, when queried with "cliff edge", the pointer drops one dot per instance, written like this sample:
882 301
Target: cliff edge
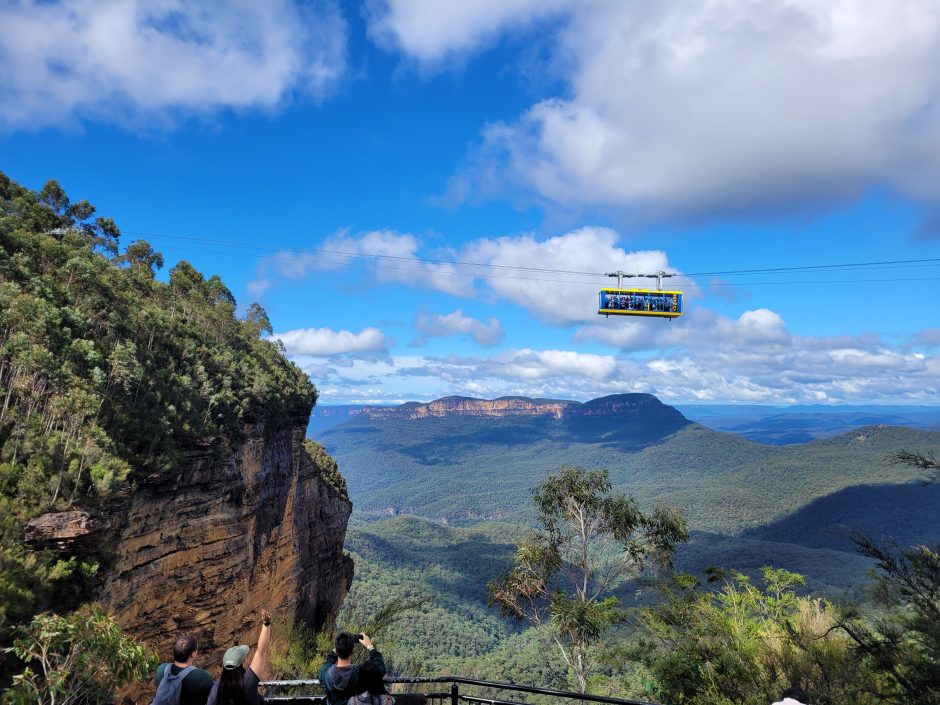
613 405
201 550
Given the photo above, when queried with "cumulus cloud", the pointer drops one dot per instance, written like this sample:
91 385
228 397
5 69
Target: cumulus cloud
760 332
524 365
712 107
386 255
530 272
555 297
435 325
929 338
124 60
753 358
431 31
805 373
325 342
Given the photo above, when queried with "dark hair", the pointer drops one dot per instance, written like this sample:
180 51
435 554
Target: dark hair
372 679
232 687
797 694
344 644
184 647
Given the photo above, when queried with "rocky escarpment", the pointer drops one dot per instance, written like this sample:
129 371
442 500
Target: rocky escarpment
200 549
614 405
203 549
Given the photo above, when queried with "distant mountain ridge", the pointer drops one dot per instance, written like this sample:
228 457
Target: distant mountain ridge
502 407
788 425
768 425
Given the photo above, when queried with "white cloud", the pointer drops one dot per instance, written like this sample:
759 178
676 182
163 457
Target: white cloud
929 338
759 332
522 269
703 357
712 107
385 255
800 376
555 297
456 323
324 342
524 365
432 30
126 60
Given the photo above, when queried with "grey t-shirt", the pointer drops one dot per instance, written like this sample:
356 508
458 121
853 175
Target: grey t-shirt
250 681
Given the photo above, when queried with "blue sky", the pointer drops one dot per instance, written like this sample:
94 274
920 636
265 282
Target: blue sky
261 140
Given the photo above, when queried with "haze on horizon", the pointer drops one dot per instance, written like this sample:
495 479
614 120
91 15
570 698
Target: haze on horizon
325 158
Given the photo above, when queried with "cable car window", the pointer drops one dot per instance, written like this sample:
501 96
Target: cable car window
640 302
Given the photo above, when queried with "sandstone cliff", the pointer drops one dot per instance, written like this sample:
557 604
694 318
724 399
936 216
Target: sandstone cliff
200 549
614 405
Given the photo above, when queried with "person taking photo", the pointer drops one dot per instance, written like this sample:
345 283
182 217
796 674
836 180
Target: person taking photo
338 676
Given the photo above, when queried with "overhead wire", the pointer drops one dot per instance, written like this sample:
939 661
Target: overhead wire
337 257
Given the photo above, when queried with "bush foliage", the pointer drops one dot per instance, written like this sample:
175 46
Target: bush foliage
108 375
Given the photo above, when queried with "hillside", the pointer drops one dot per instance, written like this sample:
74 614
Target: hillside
432 465
149 437
448 568
472 464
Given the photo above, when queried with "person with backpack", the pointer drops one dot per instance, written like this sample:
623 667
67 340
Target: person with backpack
238 685
179 682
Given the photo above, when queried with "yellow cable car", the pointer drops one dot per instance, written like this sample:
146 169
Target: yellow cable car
640 302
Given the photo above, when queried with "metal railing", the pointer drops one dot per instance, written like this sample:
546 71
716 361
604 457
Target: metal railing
453 696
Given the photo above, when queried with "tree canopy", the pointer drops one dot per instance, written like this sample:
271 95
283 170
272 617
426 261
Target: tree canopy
590 539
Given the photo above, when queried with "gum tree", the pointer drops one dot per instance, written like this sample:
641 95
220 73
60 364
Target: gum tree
589 540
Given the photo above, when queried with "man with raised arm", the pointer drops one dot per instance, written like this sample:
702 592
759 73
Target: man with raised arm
339 678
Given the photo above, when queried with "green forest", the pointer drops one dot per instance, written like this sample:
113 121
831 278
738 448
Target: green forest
722 482
707 633
766 589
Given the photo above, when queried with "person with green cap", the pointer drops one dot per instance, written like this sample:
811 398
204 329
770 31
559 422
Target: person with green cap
238 685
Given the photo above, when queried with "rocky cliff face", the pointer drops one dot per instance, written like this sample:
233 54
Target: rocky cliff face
201 549
614 405
465 406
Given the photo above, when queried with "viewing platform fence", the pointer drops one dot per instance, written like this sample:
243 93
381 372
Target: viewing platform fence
433 690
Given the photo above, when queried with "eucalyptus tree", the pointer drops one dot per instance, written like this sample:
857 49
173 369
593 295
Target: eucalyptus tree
590 540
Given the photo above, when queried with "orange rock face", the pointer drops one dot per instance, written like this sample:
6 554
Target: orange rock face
614 405
201 550
463 406
66 531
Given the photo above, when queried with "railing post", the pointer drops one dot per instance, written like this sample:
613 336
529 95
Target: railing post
454 694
